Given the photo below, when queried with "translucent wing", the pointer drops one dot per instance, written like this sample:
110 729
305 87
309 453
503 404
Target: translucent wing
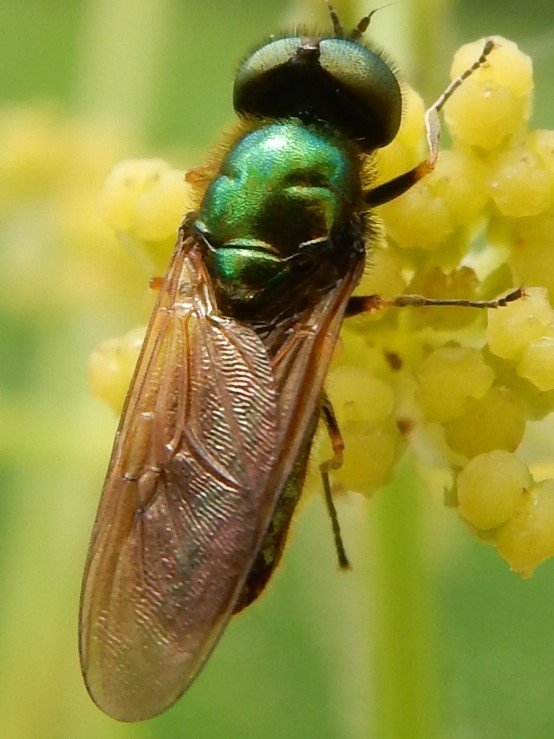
182 507
208 436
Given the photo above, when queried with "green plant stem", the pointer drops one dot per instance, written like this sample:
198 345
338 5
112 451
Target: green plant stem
406 696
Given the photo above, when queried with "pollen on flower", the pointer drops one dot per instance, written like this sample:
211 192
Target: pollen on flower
491 487
144 201
522 183
494 103
449 380
526 540
511 330
495 421
420 219
408 146
111 367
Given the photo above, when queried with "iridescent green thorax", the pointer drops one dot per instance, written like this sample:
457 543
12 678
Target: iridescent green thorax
282 191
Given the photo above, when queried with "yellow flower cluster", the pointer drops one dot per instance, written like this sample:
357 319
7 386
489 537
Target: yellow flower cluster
57 253
468 384
461 386
143 201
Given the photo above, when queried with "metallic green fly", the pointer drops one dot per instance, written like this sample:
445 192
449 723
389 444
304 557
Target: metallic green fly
210 456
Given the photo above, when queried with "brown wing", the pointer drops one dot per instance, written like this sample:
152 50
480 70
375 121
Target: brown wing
204 446
183 503
300 365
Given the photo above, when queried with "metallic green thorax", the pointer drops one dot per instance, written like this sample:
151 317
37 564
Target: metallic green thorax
281 191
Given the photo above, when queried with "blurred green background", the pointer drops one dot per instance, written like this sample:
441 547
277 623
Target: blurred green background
463 649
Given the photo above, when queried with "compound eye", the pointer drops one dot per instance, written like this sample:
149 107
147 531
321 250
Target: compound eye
264 81
265 59
336 81
369 87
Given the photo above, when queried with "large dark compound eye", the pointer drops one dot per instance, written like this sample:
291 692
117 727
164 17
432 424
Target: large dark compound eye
334 80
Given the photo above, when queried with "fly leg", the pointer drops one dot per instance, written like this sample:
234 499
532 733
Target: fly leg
337 443
399 185
370 303
390 190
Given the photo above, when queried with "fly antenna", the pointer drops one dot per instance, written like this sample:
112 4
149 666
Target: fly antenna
357 33
338 30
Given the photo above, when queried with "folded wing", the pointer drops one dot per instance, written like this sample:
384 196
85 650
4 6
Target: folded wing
209 434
